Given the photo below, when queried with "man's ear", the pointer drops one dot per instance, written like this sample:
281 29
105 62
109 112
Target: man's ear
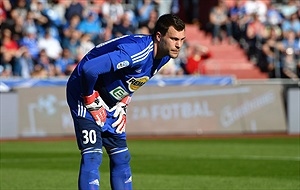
158 36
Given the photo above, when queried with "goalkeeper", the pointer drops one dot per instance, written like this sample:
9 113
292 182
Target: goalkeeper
100 88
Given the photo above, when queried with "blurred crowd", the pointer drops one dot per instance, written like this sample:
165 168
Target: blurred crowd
47 38
41 38
268 32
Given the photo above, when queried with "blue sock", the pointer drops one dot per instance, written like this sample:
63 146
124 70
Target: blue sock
89 176
120 172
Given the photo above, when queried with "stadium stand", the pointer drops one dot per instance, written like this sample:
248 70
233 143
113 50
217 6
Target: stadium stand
226 59
249 55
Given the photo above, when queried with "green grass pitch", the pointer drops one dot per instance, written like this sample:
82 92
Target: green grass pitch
184 164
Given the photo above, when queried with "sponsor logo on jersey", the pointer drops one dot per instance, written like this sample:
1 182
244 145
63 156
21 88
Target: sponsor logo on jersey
119 93
122 64
136 83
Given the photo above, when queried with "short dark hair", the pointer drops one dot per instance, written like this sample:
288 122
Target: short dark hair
165 21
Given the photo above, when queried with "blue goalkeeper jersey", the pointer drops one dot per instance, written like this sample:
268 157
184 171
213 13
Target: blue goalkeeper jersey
131 62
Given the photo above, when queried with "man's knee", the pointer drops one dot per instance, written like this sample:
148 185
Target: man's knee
119 157
91 159
120 169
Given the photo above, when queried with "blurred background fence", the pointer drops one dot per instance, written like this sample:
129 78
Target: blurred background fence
166 106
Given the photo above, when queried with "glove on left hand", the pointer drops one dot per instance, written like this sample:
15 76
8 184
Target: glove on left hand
120 112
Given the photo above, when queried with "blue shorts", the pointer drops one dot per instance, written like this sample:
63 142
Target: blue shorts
89 134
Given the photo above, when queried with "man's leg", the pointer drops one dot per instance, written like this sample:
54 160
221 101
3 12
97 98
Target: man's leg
89 176
89 141
120 172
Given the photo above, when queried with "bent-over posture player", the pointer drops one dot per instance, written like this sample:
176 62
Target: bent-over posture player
100 88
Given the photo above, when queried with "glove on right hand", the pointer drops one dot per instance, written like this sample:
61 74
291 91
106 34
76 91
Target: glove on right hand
94 105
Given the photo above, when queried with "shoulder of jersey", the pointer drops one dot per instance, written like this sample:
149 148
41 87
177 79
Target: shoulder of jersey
141 37
143 49
137 42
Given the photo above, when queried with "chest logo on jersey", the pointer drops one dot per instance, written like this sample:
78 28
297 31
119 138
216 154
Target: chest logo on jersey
136 83
122 64
119 93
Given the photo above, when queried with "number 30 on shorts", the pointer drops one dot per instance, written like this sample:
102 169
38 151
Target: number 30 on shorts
89 136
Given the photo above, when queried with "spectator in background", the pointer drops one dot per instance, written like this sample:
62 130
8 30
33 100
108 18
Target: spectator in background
72 43
40 17
30 22
143 10
91 25
9 47
290 50
24 63
46 63
7 59
74 8
255 32
181 60
169 69
218 18
269 59
293 23
195 62
191 9
124 28
288 9
5 66
85 46
95 6
143 30
51 45
33 6
21 8
17 29
39 72
64 65
236 13
5 8
54 22
256 7
14 23
70 26
274 17
29 40
150 22
175 7
56 12
164 6
112 12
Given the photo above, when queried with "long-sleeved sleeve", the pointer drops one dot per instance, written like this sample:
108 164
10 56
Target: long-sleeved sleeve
90 71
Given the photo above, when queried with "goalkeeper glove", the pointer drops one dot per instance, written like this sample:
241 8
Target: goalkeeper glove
94 105
120 112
